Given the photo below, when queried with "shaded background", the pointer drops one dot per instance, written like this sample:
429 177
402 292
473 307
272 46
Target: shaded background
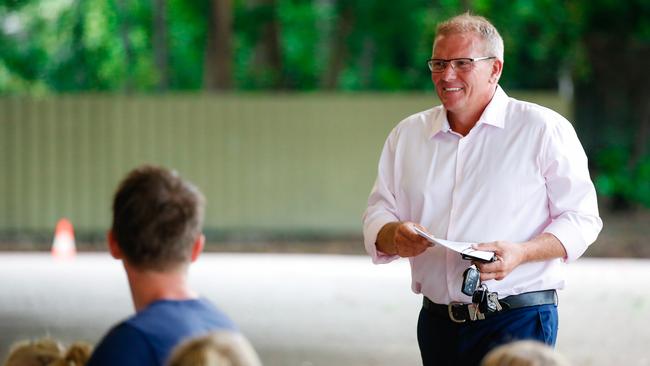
278 109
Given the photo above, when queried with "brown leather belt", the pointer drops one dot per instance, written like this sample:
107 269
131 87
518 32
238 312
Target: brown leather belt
461 312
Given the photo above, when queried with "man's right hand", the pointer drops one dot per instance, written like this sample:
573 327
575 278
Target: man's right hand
399 238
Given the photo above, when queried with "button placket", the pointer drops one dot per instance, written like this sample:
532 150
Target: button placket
451 257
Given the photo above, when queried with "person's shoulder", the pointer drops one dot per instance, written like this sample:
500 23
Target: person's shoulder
417 121
111 349
204 305
421 116
219 317
534 113
190 314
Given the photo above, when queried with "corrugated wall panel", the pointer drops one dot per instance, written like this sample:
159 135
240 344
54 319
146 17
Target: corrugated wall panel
290 164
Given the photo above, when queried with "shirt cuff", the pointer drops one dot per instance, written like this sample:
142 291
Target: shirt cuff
573 242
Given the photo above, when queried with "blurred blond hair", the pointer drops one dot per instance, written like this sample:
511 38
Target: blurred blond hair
77 354
524 353
47 352
221 348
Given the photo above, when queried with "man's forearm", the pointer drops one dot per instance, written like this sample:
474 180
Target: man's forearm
544 246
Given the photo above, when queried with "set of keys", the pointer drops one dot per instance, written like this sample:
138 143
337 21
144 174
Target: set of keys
483 300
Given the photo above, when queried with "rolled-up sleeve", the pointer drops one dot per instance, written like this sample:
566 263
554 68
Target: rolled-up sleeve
571 194
382 207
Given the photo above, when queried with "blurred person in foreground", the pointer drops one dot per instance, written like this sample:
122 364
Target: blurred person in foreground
215 349
482 168
156 233
524 353
48 352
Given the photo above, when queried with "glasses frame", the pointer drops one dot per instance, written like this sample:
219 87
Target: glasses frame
452 60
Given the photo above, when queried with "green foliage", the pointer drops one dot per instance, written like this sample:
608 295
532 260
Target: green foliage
385 46
75 45
69 45
105 45
187 33
619 179
303 60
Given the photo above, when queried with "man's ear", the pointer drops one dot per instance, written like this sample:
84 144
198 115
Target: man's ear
197 247
497 69
113 247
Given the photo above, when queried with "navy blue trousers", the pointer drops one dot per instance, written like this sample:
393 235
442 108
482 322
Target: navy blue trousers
443 342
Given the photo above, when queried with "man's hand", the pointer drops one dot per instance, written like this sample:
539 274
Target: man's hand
399 238
543 247
509 256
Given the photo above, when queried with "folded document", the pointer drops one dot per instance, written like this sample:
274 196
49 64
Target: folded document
465 249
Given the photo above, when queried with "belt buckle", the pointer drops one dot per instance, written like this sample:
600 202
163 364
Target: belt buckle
451 312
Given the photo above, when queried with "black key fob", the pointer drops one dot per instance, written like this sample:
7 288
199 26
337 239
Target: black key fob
478 297
471 280
489 303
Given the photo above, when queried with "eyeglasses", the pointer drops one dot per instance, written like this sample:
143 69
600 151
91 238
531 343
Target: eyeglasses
458 64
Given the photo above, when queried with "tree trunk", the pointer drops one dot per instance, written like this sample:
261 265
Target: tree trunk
643 134
78 29
267 55
613 105
217 69
339 49
640 98
160 44
324 28
366 62
121 7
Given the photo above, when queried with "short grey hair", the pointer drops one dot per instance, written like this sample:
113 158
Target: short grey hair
468 23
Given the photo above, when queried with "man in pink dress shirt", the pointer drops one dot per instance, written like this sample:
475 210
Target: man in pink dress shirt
488 169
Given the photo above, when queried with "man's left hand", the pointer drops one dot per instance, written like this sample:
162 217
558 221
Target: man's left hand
509 256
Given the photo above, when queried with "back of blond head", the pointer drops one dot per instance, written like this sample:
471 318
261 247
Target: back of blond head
468 23
221 348
47 352
77 354
34 353
524 353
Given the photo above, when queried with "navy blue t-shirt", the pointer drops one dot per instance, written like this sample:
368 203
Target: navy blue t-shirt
148 337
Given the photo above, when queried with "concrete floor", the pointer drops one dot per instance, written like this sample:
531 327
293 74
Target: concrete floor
309 310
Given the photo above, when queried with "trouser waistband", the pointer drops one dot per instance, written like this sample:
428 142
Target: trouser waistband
461 312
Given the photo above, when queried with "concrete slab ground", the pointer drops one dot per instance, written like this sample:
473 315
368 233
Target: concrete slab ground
309 310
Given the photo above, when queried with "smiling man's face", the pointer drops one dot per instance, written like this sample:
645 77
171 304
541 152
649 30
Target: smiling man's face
464 92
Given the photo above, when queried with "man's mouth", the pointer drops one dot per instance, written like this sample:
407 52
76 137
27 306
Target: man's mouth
452 89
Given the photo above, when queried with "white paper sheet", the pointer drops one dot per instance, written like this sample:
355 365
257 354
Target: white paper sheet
463 248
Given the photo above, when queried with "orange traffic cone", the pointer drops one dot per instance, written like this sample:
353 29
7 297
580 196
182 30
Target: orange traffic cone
63 246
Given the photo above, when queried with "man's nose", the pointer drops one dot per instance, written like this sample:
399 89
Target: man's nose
449 72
